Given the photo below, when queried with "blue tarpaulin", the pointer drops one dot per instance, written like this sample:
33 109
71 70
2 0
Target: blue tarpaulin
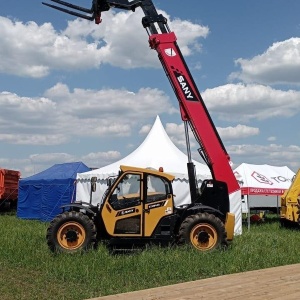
42 195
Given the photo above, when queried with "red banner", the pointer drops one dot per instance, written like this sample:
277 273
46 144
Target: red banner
262 191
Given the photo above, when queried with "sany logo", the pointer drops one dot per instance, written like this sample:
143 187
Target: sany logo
170 52
185 87
261 178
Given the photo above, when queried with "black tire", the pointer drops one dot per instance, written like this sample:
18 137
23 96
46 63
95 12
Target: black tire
283 223
71 231
203 231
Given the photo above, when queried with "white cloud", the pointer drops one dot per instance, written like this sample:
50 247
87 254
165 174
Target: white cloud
30 50
272 154
279 64
36 163
63 115
145 129
272 138
177 134
240 102
238 132
100 159
50 158
187 34
123 42
102 155
34 139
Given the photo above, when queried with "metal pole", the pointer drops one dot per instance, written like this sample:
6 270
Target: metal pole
248 205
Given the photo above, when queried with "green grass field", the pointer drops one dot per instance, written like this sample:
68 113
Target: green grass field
28 270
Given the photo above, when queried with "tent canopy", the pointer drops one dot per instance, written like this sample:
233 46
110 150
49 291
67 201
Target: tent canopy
263 179
42 195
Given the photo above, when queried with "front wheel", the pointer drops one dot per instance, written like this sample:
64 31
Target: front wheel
70 232
203 231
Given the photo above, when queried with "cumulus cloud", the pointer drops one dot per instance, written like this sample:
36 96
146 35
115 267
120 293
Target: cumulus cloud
85 103
62 115
279 64
102 155
188 35
240 102
36 163
51 158
34 139
145 129
32 50
238 132
101 159
272 138
273 154
177 134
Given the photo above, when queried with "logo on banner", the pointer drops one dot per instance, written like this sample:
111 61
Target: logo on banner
261 178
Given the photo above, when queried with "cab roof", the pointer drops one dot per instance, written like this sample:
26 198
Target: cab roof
149 171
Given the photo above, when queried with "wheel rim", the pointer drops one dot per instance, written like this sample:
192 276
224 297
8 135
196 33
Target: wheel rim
71 235
204 237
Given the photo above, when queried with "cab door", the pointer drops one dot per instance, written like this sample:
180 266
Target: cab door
158 203
136 205
123 211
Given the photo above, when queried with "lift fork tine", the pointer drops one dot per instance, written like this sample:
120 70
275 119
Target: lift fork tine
94 13
80 8
90 11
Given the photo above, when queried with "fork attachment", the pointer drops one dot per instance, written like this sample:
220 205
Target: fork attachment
94 13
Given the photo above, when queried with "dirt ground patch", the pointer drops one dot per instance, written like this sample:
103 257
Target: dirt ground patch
273 283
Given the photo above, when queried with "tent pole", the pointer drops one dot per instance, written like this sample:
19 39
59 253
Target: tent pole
248 205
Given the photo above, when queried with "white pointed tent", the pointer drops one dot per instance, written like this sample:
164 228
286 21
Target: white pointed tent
157 150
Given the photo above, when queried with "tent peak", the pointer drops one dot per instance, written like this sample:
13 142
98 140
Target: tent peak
157 150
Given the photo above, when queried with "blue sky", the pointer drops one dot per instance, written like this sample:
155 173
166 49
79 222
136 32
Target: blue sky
74 91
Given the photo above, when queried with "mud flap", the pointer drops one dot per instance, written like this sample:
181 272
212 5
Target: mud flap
229 226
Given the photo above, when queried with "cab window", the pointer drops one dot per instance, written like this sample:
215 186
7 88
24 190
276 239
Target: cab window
127 193
157 188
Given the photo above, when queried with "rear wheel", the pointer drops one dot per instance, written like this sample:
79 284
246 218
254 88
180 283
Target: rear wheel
203 231
70 232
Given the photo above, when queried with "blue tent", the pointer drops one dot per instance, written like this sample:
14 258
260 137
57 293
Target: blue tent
42 195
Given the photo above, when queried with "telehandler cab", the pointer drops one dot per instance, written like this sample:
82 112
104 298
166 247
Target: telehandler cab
139 217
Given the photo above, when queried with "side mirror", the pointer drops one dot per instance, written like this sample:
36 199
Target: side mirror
93 184
109 182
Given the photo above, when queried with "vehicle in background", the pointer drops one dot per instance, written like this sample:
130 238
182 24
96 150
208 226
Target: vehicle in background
9 183
290 204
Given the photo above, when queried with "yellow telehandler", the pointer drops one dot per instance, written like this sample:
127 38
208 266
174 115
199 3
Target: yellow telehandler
290 204
138 209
